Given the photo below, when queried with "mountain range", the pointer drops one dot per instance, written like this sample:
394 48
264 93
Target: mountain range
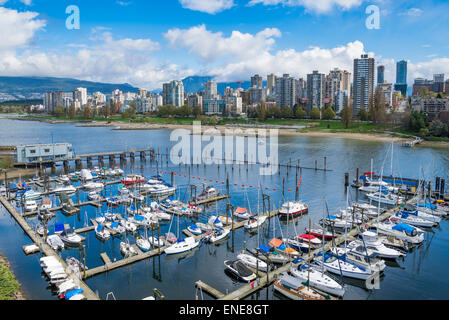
21 88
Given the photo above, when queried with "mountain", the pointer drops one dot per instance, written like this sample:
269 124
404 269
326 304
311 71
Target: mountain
20 88
196 83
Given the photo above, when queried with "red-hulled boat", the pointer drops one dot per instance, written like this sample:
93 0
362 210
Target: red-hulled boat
133 179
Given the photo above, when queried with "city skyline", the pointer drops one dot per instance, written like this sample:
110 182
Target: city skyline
228 41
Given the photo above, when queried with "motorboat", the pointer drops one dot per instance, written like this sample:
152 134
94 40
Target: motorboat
336 222
31 195
255 222
93 196
127 250
193 228
75 263
86 175
136 196
113 202
401 231
97 186
128 225
253 262
182 245
204 227
102 233
242 213
412 220
293 288
68 190
208 193
55 242
161 190
133 179
70 237
156 242
64 178
161 215
225 220
293 209
373 243
40 230
318 232
386 198
30 205
317 279
46 204
239 269
217 235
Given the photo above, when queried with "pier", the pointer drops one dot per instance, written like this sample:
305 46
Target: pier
45 248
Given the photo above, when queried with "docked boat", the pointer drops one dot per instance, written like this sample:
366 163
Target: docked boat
420 214
170 237
55 242
102 233
385 198
255 222
373 243
136 196
412 220
115 226
242 213
318 280
338 222
193 228
225 220
143 244
339 267
282 248
239 269
215 222
156 242
318 232
31 195
40 230
253 262
70 237
431 209
217 235
161 190
269 255
128 225
46 204
30 205
293 209
361 256
127 250
204 227
208 193
401 231
182 245
93 196
68 190
293 288
113 202
97 186
133 179
74 263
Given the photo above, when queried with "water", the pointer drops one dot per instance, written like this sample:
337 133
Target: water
420 275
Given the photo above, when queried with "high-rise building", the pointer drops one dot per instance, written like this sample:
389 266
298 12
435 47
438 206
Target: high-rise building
300 90
401 77
195 100
257 81
363 83
257 95
143 93
315 90
387 91
271 84
173 93
285 91
80 94
438 78
210 90
380 74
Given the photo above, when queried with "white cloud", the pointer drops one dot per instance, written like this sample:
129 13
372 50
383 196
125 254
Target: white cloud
412 12
210 46
319 6
208 6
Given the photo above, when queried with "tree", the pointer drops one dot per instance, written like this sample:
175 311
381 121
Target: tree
196 111
329 114
132 108
59 111
418 120
315 113
438 129
87 112
300 113
72 111
376 109
261 112
363 114
286 112
184 111
346 114
274 112
106 110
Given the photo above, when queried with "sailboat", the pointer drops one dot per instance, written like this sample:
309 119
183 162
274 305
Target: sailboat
252 262
127 250
293 288
182 245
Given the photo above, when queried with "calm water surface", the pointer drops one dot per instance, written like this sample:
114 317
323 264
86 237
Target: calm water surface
420 275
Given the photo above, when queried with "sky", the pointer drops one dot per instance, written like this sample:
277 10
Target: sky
148 42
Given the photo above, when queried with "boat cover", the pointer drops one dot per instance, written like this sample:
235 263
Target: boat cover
241 210
404 227
114 225
139 218
427 205
59 227
291 282
72 293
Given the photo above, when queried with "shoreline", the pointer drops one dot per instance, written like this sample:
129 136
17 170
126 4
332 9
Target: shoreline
117 125
18 295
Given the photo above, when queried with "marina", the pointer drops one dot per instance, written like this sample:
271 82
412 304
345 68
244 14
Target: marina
262 199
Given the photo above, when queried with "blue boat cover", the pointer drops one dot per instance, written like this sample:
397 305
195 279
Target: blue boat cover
114 225
138 218
264 248
59 227
332 217
72 293
193 227
99 228
427 205
404 227
282 247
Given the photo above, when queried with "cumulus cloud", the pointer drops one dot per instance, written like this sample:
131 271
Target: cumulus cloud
319 6
208 6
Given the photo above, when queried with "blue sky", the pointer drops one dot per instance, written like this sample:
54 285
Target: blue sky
148 42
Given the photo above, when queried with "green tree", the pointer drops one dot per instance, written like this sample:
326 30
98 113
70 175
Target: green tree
363 114
286 112
59 111
261 112
300 113
87 112
329 114
274 112
72 111
196 111
438 129
417 121
346 114
132 108
315 113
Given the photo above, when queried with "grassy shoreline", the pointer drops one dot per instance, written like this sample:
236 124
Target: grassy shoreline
9 287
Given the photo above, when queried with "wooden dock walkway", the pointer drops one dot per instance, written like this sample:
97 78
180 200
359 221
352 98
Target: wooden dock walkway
197 203
45 248
208 289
